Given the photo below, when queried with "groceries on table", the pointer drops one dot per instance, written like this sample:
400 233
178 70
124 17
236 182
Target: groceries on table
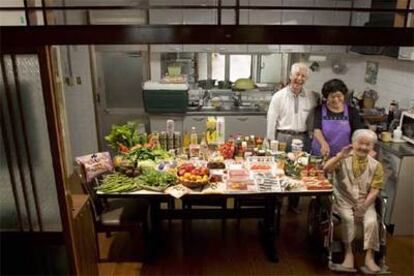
201 160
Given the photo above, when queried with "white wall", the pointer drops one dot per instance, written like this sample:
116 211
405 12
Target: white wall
79 101
395 79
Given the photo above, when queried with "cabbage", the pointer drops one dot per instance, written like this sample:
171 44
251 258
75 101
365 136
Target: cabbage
244 84
147 164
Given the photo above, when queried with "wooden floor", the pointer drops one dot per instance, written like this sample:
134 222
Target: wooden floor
206 248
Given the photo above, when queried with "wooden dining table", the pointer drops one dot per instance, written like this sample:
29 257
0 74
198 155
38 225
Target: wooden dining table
268 211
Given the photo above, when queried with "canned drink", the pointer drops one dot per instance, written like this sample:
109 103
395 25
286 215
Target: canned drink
177 139
170 127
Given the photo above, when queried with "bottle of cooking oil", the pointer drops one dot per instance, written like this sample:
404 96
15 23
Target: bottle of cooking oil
193 136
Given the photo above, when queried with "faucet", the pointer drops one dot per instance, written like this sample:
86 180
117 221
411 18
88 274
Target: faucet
205 98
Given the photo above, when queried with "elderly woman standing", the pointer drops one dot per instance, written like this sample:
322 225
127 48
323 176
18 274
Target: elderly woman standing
335 121
357 182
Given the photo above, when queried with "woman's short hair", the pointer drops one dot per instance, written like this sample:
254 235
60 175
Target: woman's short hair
333 86
299 66
364 133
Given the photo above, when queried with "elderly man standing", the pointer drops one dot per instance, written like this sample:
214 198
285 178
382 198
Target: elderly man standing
358 179
288 114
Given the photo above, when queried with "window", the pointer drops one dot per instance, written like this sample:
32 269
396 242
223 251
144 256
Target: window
240 67
270 68
265 68
218 66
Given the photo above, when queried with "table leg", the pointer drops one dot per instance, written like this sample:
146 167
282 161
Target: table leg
154 226
268 231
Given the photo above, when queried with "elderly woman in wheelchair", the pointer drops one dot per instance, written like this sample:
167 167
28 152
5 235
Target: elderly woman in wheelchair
358 179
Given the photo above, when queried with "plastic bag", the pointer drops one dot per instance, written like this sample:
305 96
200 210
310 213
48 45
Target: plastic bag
95 164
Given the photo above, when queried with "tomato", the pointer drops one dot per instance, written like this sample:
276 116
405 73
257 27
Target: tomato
123 148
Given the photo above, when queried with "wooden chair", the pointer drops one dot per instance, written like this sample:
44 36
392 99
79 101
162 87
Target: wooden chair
117 215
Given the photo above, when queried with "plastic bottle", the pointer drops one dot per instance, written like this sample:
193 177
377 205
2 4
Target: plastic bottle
220 130
186 140
397 134
204 147
193 137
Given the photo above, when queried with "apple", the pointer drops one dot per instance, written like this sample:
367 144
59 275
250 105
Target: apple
204 171
181 172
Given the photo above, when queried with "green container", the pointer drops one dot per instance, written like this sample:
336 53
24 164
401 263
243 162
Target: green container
165 101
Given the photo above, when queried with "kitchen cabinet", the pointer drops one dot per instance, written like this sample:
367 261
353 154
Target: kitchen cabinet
327 49
320 49
339 49
231 48
263 49
294 48
245 125
210 48
167 48
159 122
199 48
406 53
398 164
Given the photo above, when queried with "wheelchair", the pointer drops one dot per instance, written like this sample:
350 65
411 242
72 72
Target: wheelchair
322 220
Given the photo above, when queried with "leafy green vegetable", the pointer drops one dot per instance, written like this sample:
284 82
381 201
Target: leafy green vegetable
143 153
155 180
145 164
126 135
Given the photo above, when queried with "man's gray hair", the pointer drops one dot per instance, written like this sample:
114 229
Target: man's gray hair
298 66
367 133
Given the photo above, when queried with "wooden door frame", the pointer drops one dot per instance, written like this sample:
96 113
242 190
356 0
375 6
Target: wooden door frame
55 142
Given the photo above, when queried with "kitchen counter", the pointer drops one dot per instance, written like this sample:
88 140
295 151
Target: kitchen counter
226 113
399 149
233 112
